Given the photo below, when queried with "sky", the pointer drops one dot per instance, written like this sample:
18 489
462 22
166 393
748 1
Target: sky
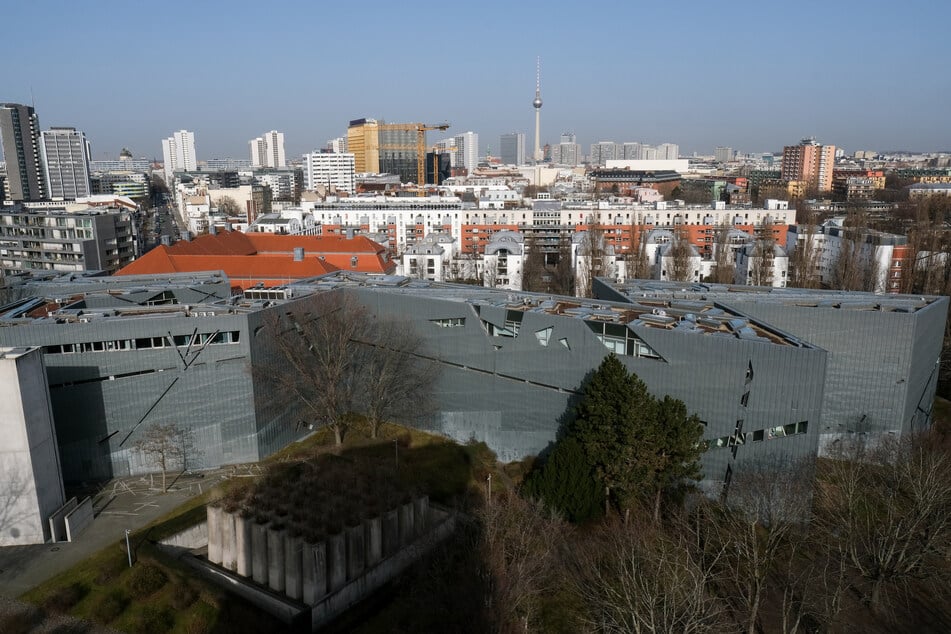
751 75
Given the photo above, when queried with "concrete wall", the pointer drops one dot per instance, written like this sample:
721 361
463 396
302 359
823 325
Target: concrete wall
31 483
79 519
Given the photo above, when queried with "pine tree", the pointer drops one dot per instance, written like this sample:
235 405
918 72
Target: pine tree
566 483
678 448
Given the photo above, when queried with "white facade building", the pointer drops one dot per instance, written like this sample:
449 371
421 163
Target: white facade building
268 150
668 152
178 152
333 171
467 150
65 153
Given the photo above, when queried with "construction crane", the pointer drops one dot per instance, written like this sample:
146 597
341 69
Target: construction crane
420 129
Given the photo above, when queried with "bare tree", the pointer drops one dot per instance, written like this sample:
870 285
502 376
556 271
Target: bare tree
804 261
166 447
887 511
592 260
723 257
319 358
638 265
395 381
636 578
522 541
679 253
228 206
762 256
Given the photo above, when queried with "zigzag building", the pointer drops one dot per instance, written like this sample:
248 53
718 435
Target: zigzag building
124 353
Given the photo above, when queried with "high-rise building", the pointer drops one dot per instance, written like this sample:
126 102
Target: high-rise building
512 148
668 151
630 151
268 150
65 154
809 162
398 151
568 152
331 170
20 134
338 145
363 141
467 151
178 152
603 151
723 154
646 152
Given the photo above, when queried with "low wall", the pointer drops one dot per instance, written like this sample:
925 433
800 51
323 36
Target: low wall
58 520
188 539
78 519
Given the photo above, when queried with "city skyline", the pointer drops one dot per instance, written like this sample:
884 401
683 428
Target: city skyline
766 79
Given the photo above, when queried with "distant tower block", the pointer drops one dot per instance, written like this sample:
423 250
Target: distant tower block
537 104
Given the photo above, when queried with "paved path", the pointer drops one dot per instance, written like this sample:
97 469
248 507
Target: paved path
127 503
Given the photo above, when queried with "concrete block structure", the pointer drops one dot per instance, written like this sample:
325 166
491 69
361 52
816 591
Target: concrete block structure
31 485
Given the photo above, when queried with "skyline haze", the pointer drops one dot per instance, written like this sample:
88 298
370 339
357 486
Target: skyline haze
744 74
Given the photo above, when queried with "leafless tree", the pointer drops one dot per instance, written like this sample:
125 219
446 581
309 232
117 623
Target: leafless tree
319 358
804 260
763 257
522 542
396 383
637 578
228 206
592 260
723 257
638 265
166 447
679 254
887 511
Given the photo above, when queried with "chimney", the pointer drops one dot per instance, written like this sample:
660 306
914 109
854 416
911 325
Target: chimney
349 233
212 230
298 254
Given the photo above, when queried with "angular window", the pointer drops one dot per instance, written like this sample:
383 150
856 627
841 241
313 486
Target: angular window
564 342
802 426
543 335
449 322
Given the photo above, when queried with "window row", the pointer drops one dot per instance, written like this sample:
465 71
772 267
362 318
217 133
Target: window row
780 431
145 343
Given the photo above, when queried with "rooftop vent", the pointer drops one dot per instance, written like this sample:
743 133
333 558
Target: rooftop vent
298 254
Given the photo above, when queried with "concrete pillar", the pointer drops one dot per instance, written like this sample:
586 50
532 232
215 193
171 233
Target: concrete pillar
421 514
356 551
293 582
391 532
242 545
275 558
374 537
321 578
336 561
214 534
259 553
227 541
407 532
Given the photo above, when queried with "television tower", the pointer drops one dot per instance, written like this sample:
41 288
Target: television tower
537 103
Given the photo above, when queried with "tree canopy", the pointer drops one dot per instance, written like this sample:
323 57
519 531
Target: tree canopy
636 447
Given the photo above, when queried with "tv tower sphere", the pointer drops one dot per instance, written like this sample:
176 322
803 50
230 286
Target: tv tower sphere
537 102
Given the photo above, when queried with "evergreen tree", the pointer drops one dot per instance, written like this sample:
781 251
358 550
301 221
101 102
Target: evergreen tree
678 448
566 483
614 422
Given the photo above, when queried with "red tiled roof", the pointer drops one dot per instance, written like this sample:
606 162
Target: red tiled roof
249 259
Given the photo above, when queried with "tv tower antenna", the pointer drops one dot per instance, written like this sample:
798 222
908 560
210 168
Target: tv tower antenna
537 104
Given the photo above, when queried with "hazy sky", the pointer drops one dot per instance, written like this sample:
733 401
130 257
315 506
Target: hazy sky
753 75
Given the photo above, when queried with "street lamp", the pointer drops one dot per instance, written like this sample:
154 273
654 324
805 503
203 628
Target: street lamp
128 549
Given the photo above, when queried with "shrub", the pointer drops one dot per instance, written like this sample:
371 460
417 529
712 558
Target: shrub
111 569
18 618
145 580
63 599
109 606
152 619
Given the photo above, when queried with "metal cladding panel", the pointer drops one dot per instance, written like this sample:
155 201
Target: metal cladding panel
926 359
878 361
104 400
513 392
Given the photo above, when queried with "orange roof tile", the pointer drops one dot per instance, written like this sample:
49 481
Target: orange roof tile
249 259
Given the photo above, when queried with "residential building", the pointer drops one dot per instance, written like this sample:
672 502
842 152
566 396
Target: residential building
20 135
51 239
65 154
667 152
178 152
602 152
336 172
811 163
512 148
723 154
268 150
567 152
